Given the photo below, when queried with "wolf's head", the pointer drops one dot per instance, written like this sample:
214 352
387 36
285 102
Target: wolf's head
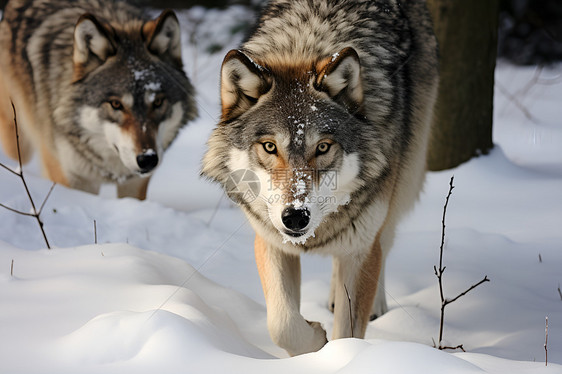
297 129
130 94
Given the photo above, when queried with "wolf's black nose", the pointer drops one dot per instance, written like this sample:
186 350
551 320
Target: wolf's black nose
295 219
147 161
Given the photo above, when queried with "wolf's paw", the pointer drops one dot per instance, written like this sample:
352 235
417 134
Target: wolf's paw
319 335
314 341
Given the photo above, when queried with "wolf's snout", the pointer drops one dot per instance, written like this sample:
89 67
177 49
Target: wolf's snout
147 161
295 219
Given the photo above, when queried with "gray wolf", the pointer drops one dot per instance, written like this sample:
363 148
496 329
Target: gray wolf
98 90
328 104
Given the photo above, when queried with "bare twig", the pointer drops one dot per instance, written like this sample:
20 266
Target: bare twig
12 269
559 292
34 212
516 102
350 310
9 169
517 97
546 342
439 273
537 80
47 196
467 291
460 346
540 258
17 211
95 233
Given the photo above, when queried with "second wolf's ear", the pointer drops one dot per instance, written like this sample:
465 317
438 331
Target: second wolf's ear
92 45
340 77
242 83
163 37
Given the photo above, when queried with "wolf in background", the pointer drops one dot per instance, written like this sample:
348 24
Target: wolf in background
98 89
320 88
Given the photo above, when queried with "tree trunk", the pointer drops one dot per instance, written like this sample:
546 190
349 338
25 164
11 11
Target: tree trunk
467 36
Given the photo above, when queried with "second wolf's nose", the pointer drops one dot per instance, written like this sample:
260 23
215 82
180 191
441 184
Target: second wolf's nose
295 219
147 161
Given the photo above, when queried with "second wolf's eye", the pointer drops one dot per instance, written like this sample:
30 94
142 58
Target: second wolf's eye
322 148
157 103
270 148
116 104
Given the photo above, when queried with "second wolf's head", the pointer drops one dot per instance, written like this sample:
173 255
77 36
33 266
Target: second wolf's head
129 95
289 148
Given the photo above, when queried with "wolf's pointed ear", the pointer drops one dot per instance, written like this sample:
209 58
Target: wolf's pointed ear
242 83
92 45
163 37
340 77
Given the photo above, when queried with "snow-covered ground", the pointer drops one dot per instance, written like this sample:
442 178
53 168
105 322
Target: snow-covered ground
172 286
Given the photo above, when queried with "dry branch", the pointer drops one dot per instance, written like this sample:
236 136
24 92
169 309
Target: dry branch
439 273
95 233
546 342
350 309
34 212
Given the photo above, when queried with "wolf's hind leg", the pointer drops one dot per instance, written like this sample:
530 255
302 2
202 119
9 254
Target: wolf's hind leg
333 282
357 278
280 277
52 168
8 130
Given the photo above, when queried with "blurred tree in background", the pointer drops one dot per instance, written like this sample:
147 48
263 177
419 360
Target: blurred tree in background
467 35
530 31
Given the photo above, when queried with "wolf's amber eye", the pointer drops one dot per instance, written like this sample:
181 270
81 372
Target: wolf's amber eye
157 103
116 104
270 148
322 148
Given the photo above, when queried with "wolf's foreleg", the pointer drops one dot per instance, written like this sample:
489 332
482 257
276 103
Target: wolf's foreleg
52 168
135 187
379 306
355 288
281 278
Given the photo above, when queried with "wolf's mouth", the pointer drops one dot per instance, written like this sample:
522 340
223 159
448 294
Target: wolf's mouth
295 234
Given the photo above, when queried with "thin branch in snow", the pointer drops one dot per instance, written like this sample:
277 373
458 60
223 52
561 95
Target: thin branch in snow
460 346
47 197
95 232
350 310
546 342
34 212
468 290
12 269
439 273
516 102
559 291
517 97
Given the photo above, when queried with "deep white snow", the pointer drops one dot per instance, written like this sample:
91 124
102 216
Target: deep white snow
172 286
